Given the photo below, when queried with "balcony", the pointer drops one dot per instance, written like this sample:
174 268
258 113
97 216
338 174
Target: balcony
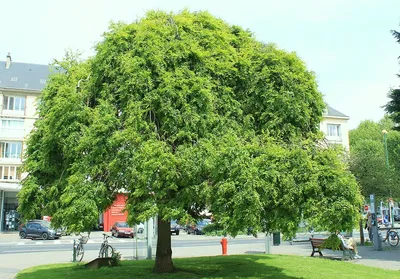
12 133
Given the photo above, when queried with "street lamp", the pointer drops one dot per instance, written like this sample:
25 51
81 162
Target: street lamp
384 132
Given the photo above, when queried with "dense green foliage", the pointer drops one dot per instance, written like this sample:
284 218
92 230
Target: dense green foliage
393 106
184 112
234 266
368 158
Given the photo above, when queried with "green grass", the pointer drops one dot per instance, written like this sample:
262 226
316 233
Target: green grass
238 266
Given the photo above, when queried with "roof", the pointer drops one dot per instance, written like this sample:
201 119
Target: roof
23 76
330 111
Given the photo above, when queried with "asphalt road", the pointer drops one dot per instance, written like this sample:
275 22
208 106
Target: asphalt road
17 246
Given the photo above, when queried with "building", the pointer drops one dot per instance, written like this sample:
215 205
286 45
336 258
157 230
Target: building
20 85
334 126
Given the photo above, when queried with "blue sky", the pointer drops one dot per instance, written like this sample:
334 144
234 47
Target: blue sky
346 43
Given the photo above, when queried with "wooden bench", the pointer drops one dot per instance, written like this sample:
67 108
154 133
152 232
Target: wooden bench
318 244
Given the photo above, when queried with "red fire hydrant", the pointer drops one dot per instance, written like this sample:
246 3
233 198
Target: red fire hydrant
224 243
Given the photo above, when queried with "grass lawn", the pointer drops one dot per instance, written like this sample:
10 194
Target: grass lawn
238 266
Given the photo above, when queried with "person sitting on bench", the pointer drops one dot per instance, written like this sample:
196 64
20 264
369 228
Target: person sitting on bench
349 243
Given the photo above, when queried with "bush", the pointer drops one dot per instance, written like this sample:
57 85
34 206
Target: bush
116 258
212 229
332 242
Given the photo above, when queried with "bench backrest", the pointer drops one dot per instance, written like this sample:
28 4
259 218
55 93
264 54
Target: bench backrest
318 242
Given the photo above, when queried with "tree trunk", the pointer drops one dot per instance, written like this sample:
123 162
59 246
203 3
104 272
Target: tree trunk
164 252
361 231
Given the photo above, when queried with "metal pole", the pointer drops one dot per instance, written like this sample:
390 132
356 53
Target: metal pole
74 252
386 149
267 243
376 239
149 235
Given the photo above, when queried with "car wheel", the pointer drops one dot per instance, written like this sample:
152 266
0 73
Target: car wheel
45 236
22 235
177 232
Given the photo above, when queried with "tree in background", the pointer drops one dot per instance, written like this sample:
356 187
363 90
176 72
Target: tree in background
183 113
368 158
393 106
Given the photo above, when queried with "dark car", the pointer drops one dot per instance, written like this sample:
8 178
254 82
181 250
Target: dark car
396 217
198 227
175 227
39 229
122 229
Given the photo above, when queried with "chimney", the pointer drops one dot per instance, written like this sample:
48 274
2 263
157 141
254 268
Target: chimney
8 61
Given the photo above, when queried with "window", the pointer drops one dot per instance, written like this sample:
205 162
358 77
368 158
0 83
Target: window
334 130
14 103
10 173
10 150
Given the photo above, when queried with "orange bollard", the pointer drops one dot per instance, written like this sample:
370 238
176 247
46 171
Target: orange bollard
224 243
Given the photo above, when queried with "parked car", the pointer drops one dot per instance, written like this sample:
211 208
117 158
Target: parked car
175 227
122 229
39 229
396 217
198 227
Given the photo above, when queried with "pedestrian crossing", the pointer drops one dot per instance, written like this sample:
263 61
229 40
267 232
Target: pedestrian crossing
63 241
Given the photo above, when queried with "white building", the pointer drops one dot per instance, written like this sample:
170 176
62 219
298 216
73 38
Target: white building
20 85
335 127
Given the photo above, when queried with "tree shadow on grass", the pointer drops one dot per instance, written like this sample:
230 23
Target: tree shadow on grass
252 266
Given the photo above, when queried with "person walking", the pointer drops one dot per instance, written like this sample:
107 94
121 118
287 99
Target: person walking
368 226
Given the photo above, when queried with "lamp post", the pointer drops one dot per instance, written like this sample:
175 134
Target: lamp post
384 132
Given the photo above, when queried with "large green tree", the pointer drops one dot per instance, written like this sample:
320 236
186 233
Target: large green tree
184 112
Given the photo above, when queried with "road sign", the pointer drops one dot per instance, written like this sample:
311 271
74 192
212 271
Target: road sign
366 207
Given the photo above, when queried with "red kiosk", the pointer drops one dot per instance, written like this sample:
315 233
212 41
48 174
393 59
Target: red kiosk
115 212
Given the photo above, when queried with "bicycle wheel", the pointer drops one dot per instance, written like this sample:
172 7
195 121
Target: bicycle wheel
79 252
393 238
106 251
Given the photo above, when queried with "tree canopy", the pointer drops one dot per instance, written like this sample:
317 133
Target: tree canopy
184 112
393 106
368 158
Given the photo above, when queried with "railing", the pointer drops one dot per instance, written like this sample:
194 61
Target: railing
7 132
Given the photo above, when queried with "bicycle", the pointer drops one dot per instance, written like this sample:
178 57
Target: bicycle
79 251
305 229
106 250
392 237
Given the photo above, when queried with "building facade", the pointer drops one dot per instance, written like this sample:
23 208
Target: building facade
335 127
20 85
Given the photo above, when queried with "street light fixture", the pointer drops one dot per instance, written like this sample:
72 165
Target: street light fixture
384 132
